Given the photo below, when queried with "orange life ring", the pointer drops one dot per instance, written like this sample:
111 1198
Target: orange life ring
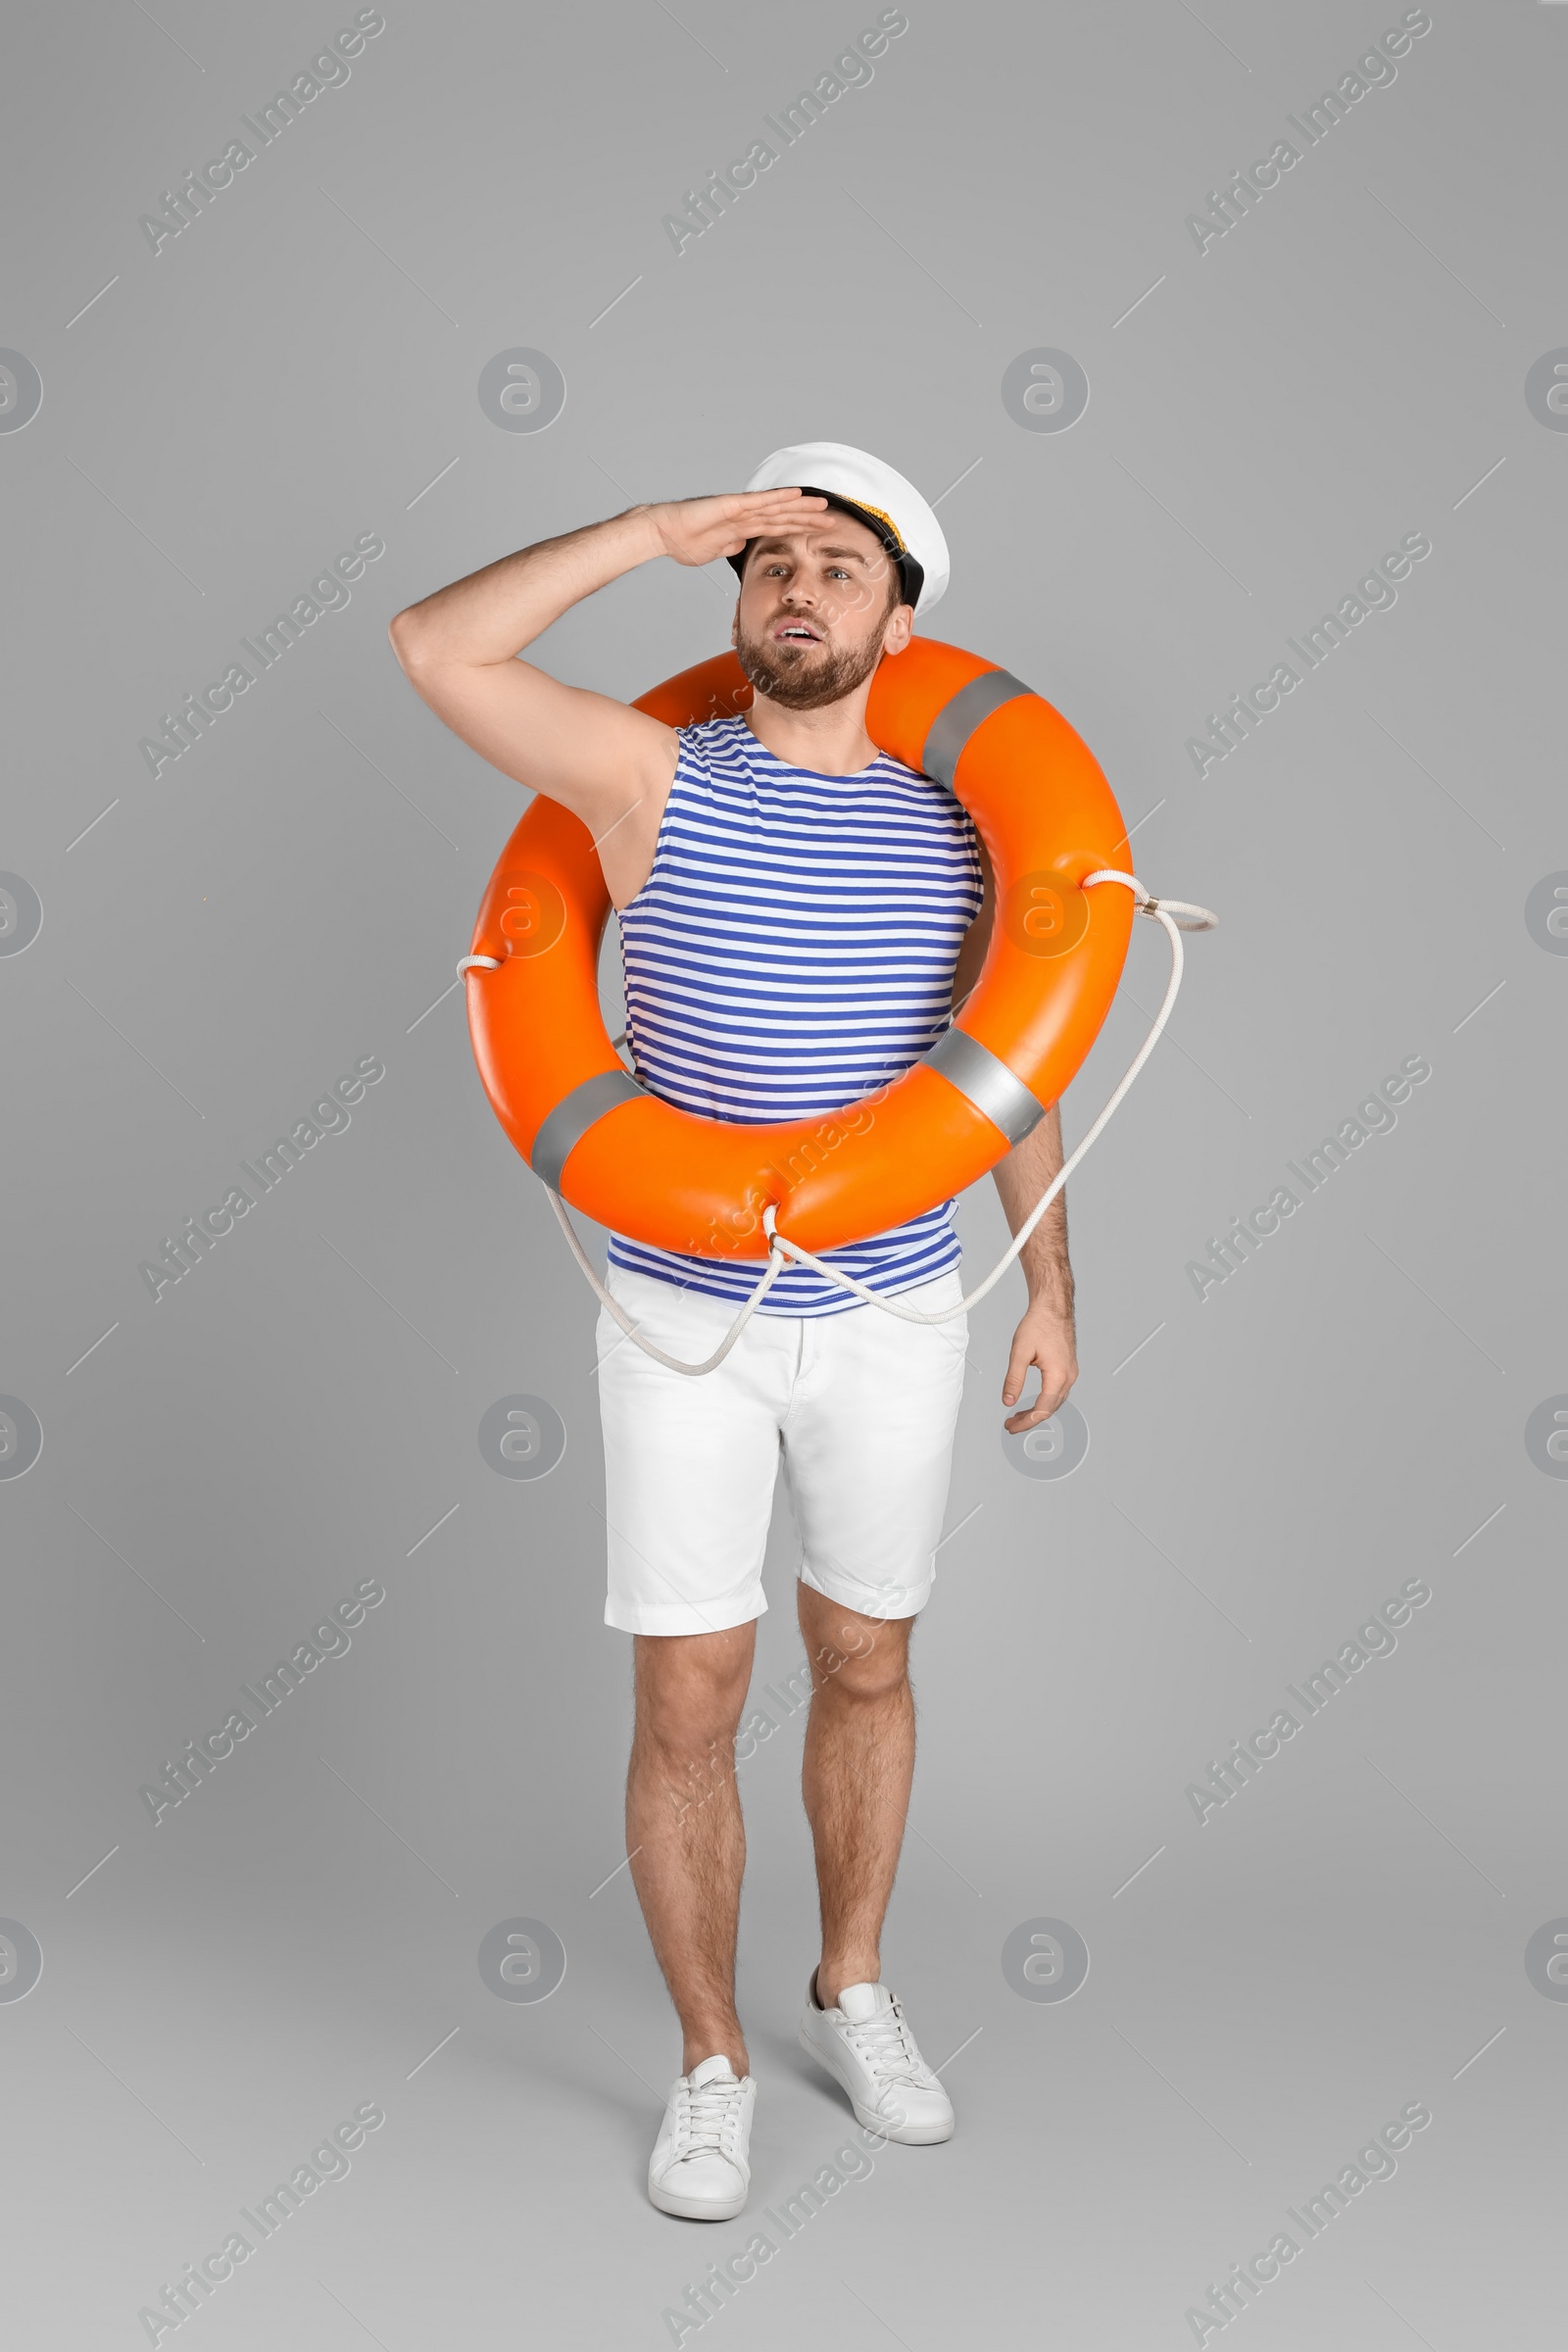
635 1163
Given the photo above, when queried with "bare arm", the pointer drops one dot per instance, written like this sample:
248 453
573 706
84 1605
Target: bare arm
459 649
1046 1335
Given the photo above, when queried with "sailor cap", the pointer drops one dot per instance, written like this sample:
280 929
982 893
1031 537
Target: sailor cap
861 485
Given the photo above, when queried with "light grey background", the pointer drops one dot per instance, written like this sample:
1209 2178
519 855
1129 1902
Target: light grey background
301 366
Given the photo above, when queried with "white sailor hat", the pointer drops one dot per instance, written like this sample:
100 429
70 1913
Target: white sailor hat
861 485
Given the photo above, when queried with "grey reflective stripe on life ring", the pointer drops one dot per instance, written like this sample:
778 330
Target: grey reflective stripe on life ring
986 1082
957 720
566 1125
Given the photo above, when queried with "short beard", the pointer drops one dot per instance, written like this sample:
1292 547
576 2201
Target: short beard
774 671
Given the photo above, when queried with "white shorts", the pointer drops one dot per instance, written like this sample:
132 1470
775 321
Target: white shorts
859 1408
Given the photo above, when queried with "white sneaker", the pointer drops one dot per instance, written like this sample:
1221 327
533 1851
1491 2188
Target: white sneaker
701 2164
865 2044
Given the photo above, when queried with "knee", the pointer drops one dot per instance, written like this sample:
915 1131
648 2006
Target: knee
688 1705
877 1667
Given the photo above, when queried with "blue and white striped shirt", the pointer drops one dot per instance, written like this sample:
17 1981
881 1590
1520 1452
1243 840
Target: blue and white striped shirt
793 947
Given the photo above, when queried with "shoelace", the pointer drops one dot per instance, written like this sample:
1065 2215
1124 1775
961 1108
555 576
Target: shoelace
709 2115
890 2048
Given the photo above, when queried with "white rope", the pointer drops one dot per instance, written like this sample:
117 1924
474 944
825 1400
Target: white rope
777 1263
1174 915
1200 920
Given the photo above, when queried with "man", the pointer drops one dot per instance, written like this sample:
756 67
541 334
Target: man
799 913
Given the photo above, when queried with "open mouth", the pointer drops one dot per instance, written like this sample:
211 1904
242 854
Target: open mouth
796 632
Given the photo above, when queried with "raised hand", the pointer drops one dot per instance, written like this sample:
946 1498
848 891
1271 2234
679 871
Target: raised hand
694 530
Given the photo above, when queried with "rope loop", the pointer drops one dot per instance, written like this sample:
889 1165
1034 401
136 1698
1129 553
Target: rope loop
1199 918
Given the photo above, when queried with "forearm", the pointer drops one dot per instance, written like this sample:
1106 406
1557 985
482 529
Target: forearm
493 613
1021 1178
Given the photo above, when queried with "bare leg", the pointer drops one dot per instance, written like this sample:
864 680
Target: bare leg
684 1829
858 1764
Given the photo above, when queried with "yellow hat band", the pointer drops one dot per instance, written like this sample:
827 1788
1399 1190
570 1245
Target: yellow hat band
882 517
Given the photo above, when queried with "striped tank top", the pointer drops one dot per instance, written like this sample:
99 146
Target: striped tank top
794 947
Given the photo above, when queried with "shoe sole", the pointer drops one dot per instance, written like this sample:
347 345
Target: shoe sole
907 2135
697 2209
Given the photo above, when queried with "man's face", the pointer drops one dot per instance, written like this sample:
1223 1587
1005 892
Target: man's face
814 611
